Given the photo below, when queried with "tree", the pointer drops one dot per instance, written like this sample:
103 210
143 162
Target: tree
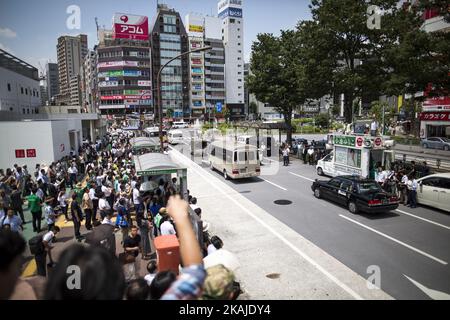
253 107
278 77
169 113
322 120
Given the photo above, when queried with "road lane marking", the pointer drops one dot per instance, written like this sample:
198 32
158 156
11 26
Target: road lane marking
433 294
395 240
297 175
274 184
417 217
196 168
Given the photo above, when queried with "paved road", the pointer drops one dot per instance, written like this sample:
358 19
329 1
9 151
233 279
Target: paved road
411 247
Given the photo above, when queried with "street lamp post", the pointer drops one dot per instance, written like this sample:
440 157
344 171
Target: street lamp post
159 88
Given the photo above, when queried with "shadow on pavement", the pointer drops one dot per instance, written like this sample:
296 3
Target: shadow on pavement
376 216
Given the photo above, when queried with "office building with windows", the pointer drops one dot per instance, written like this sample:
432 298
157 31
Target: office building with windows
19 86
194 28
51 77
168 40
123 75
230 13
71 52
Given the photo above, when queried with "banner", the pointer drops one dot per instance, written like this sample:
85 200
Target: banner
435 116
193 28
118 64
127 26
103 84
144 83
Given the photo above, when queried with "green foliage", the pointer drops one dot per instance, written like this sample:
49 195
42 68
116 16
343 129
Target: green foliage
322 120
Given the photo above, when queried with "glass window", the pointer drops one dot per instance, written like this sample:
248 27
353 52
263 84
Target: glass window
444 183
431 182
9 86
335 183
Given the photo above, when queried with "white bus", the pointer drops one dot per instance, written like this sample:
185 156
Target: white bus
180 125
234 160
175 137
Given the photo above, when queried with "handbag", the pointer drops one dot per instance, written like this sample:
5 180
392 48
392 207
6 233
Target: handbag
126 258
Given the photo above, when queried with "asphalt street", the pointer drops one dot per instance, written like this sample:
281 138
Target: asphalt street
410 247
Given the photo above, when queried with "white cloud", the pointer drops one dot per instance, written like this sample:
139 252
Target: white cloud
7 49
7 33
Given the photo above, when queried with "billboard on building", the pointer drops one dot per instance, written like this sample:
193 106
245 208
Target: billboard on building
128 26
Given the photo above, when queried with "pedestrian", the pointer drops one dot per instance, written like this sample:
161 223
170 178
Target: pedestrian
17 202
311 155
145 230
373 128
35 205
12 247
77 216
103 205
73 173
167 227
138 203
41 246
49 213
152 268
412 191
122 218
286 151
94 199
14 222
132 248
62 200
87 206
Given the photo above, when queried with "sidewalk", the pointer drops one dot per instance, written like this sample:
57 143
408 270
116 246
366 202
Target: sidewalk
276 262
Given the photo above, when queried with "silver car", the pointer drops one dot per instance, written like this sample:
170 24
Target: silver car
436 143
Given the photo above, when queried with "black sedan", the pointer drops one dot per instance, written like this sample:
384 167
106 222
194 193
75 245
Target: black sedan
356 193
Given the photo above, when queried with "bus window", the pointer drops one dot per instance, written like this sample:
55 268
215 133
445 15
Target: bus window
235 156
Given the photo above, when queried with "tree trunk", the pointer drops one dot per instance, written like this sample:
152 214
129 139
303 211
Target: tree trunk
348 107
288 122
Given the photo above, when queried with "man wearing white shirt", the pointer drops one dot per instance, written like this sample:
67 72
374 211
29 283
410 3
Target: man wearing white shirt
103 206
373 128
94 199
167 228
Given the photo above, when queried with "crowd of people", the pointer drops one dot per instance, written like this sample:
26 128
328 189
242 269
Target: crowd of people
400 179
308 153
100 186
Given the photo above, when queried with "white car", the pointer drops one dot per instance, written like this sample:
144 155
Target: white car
175 137
434 191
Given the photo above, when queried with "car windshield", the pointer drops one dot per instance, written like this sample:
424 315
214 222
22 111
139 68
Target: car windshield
368 187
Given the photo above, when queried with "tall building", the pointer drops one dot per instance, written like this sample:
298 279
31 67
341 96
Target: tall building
230 12
214 66
169 39
195 28
19 85
71 52
88 82
75 90
51 71
123 66
43 91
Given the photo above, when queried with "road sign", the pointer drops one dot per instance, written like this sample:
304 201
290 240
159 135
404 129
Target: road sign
219 107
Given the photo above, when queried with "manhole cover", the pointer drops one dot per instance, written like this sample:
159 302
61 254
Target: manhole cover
283 202
273 276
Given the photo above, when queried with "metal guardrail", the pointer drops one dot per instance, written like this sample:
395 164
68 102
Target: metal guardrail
436 163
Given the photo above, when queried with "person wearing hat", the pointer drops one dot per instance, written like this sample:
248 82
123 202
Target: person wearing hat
219 284
49 213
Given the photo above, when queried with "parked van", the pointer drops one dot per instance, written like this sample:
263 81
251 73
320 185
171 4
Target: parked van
175 137
234 160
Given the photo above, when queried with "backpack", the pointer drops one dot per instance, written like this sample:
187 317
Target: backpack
36 244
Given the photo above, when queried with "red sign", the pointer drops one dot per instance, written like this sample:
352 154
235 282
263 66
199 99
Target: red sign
435 116
111 98
359 141
127 26
378 142
20 153
31 153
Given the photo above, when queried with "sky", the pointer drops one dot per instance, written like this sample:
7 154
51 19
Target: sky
30 29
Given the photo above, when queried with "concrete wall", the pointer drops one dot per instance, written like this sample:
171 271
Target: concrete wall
15 101
46 137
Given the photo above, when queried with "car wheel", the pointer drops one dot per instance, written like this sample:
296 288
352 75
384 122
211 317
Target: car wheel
320 171
317 193
425 146
446 148
352 207
225 175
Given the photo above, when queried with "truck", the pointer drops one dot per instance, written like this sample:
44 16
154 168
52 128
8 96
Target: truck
358 155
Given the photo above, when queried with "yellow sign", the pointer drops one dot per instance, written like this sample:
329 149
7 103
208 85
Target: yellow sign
193 28
399 103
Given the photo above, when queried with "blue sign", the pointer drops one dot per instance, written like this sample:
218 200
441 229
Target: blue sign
219 107
231 12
